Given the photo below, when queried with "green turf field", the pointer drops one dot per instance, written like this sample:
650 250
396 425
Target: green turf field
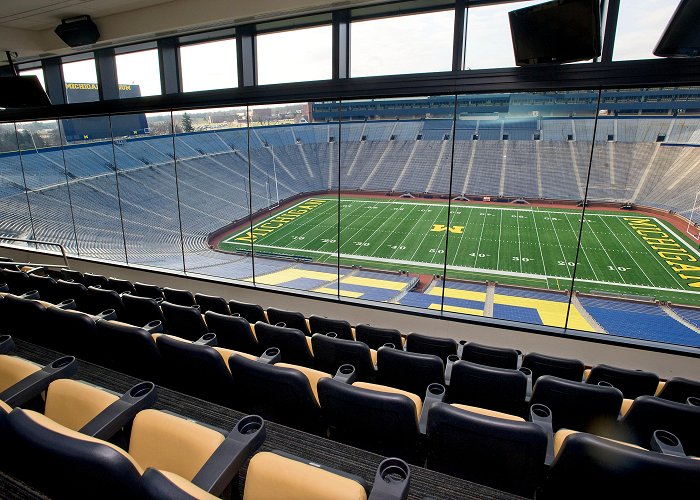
508 244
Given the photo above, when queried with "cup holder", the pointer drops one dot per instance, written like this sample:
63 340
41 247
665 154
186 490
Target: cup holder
281 324
526 371
436 390
108 314
196 306
159 300
346 369
332 335
207 337
394 470
541 411
272 352
666 438
236 315
62 362
4 287
693 401
462 342
346 374
603 383
4 338
665 442
67 304
389 345
141 389
31 295
250 424
453 358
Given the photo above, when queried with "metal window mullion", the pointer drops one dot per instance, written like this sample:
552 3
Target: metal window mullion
460 35
341 44
449 204
610 15
119 197
106 67
53 78
26 188
246 54
169 62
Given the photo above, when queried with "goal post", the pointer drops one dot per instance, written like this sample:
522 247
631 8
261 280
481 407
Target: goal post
694 220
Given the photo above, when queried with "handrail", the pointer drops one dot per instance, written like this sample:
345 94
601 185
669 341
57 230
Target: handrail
39 242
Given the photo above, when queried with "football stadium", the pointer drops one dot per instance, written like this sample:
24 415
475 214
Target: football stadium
401 248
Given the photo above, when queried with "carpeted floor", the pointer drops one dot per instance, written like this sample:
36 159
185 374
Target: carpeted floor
424 483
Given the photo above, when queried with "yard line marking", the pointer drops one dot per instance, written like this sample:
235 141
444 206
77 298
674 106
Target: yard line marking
583 221
426 235
520 252
478 247
641 268
391 233
583 249
539 242
554 229
463 235
498 254
408 233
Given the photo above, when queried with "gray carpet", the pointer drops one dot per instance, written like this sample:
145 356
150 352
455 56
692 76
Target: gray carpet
424 483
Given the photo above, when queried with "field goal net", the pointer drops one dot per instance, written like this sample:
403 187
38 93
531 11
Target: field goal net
694 220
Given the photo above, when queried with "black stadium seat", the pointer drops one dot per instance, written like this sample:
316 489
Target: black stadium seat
24 318
496 450
45 285
211 303
293 344
22 380
498 357
72 274
409 371
104 299
319 324
73 333
147 290
679 389
252 312
121 286
90 279
578 406
129 349
487 387
540 364
233 332
632 383
183 321
179 297
425 344
290 319
65 290
376 337
330 353
139 311
17 281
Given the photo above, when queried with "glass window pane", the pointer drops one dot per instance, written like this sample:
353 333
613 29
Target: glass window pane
414 43
38 72
211 148
640 238
93 186
15 221
81 81
640 25
489 42
138 73
207 66
390 228
148 191
294 167
295 56
514 223
47 189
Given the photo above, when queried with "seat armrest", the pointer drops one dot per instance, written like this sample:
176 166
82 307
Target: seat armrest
37 382
34 270
207 339
218 472
542 416
6 344
4 288
68 305
392 480
345 374
271 356
528 374
154 327
667 443
107 315
451 360
435 393
122 411
30 295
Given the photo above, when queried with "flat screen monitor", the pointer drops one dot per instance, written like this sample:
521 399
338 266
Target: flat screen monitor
682 35
556 32
22 92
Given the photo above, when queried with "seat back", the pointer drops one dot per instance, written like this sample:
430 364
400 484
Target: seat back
139 311
281 394
679 389
409 371
129 349
252 312
211 303
291 343
183 321
73 333
504 454
588 467
25 319
382 422
17 281
195 369
425 344
376 337
147 290
290 319
539 364
65 290
72 274
322 325
497 389
576 405
121 286
232 332
648 414
498 357
71 464
632 383
102 299
330 353
179 297
44 285
90 279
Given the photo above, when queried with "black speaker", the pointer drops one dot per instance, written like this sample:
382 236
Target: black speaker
682 35
77 31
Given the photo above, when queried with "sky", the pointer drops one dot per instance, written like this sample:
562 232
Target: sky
397 45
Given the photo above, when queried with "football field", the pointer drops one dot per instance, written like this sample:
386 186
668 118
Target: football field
623 252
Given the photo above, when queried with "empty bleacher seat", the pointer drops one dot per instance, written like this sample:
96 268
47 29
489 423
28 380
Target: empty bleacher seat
425 344
498 389
121 286
24 318
290 319
72 332
233 332
541 364
330 353
102 299
409 371
376 337
140 311
45 285
252 312
147 290
211 303
72 274
495 449
17 281
179 297
679 389
293 344
498 357
632 383
22 380
129 349
90 279
65 290
183 321
320 324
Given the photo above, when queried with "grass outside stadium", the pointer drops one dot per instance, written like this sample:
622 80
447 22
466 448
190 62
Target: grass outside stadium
622 252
